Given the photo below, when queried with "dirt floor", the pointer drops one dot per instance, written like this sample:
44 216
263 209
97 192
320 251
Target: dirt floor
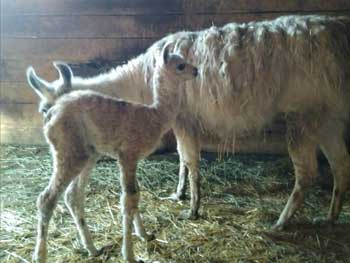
242 198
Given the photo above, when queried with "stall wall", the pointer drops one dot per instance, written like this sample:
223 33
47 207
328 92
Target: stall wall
94 35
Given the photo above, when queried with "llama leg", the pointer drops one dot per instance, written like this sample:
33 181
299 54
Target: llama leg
193 167
333 146
75 199
129 204
302 151
189 152
180 193
46 203
140 229
138 224
181 187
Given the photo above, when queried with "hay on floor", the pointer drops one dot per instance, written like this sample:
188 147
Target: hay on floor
242 197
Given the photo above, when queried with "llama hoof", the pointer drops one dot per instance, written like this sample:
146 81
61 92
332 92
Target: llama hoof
137 260
188 215
178 197
92 251
98 253
148 237
322 221
38 259
95 253
277 227
40 254
174 197
35 259
105 250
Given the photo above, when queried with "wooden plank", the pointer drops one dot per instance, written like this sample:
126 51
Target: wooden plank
72 49
22 124
16 90
17 93
14 70
149 26
207 20
200 22
91 7
111 26
155 26
136 7
263 6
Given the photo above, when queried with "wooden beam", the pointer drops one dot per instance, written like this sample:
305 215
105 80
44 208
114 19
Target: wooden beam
72 49
143 26
111 27
20 124
139 7
17 93
91 7
265 6
14 71
16 90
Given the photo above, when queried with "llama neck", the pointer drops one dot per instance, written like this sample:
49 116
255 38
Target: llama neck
127 82
167 95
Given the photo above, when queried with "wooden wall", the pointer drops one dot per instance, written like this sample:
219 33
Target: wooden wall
95 33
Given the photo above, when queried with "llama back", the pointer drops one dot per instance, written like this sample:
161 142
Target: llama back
111 125
95 118
252 71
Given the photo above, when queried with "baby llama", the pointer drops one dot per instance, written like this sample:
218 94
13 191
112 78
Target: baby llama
82 125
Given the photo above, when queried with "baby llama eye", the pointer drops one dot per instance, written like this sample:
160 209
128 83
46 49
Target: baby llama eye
180 67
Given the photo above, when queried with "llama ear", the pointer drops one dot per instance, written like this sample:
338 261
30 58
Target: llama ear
65 73
40 86
165 53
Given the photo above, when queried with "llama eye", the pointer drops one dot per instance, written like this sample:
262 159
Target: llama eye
180 67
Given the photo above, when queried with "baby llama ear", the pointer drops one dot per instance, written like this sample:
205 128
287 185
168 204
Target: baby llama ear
64 71
165 53
37 84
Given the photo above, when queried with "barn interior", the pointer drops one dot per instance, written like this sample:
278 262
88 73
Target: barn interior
243 192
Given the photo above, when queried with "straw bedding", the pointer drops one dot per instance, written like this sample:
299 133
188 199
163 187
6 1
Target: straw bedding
242 197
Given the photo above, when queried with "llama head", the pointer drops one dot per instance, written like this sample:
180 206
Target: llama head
50 91
177 66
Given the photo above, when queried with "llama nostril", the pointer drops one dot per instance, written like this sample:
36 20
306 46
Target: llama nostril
195 72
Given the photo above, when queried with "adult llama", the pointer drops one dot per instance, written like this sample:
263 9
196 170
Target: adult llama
297 67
